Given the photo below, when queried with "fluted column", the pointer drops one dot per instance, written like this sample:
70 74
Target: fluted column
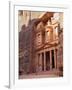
50 60
44 62
40 62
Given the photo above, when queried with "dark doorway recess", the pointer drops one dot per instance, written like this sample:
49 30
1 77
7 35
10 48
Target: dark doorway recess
53 64
48 60
42 61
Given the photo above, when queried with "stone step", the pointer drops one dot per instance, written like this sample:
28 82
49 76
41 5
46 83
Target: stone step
51 72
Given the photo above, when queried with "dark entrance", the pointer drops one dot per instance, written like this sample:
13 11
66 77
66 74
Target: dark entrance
47 60
42 61
38 59
53 64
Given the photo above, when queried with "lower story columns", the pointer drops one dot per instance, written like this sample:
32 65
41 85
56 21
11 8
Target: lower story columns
40 62
50 60
55 58
44 61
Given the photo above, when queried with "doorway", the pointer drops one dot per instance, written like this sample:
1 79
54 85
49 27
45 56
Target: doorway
47 60
53 63
42 61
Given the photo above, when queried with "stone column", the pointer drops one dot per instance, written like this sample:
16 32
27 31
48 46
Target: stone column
40 62
50 60
44 62
37 62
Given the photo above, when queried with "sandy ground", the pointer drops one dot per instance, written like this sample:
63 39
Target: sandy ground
39 75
